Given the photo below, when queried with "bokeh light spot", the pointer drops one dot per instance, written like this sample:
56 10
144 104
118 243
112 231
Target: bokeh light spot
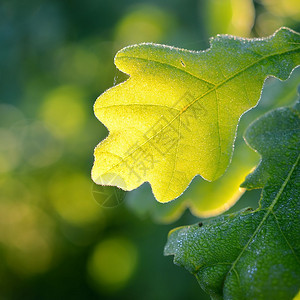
284 8
40 147
78 64
112 263
26 233
9 151
64 110
145 23
72 199
267 23
230 16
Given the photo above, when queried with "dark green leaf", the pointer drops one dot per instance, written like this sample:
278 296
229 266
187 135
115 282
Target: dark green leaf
253 254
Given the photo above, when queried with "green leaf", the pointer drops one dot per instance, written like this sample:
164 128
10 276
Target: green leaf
222 193
253 254
176 116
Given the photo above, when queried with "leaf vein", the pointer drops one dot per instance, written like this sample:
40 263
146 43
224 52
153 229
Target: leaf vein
175 159
137 104
203 95
172 66
268 211
286 240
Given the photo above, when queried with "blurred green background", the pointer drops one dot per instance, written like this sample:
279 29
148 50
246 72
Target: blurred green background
56 57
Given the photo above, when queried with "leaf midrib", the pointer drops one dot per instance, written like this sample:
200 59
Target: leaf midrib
196 99
166 64
215 86
268 211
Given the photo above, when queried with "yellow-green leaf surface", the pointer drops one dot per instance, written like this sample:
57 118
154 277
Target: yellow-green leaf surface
176 116
203 198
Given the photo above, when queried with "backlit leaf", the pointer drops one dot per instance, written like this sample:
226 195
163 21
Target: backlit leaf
203 198
176 116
